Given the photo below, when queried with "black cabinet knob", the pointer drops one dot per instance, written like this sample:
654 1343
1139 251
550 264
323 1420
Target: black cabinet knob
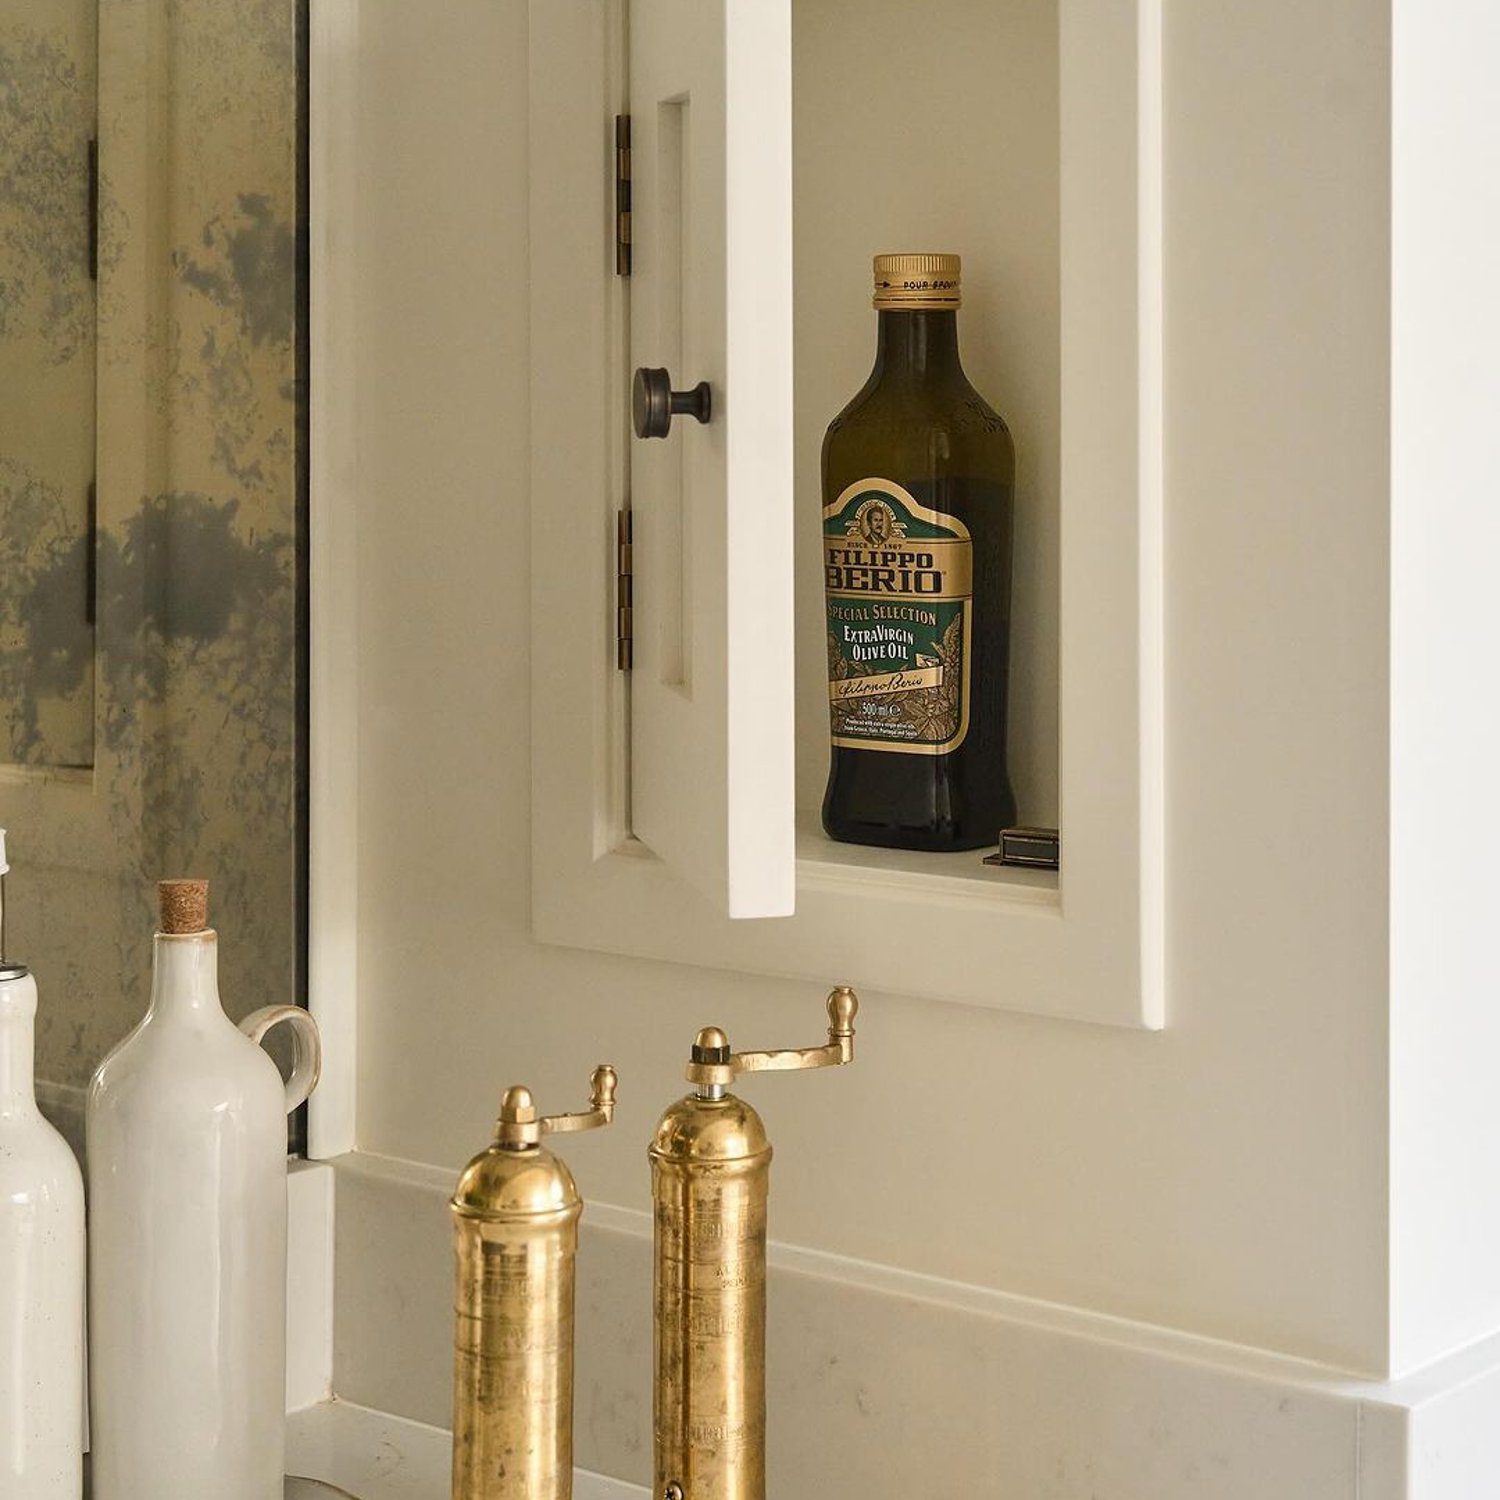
653 403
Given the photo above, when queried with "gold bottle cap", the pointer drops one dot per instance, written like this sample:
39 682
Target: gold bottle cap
913 282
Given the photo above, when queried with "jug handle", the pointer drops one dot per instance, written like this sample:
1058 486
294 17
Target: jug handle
308 1063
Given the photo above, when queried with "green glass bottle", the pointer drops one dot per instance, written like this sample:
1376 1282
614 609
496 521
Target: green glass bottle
918 507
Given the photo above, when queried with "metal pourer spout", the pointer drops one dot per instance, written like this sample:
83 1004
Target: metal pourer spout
9 969
713 1066
4 869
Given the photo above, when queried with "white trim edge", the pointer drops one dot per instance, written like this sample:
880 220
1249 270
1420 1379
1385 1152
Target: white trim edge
333 707
309 1283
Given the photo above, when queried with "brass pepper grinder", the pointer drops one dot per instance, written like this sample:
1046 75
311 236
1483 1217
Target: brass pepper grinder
515 1238
710 1175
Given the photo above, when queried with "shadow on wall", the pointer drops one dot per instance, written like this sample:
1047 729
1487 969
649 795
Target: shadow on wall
175 582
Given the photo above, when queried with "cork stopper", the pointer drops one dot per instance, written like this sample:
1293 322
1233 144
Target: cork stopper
184 905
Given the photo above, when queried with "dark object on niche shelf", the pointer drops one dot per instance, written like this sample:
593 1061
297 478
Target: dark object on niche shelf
1031 848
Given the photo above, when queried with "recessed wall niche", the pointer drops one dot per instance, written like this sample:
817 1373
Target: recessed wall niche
933 127
1026 137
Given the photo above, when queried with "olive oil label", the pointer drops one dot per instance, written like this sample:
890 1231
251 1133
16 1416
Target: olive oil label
899 584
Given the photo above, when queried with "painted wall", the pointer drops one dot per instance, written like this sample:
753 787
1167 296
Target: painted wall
1445 730
190 683
1227 1176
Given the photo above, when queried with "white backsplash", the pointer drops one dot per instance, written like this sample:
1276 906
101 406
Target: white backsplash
884 1383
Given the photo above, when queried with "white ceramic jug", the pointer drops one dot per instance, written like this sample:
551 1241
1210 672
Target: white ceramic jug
187 1234
41 1275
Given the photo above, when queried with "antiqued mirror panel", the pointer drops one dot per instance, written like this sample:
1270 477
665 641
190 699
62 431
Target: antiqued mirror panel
48 109
152 498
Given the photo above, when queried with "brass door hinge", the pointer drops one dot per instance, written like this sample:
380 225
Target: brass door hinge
624 590
622 195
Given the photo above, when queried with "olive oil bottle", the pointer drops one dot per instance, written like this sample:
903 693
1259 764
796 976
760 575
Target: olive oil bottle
918 506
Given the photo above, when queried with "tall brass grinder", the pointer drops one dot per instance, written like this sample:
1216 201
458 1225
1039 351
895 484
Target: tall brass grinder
515 1235
710 1176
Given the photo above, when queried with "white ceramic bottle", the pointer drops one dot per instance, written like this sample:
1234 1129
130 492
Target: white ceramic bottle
41 1271
187 1234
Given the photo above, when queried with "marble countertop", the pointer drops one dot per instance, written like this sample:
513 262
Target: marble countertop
335 1451
296 1488
371 1456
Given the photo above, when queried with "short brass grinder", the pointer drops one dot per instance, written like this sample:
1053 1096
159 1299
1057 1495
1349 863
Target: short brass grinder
710 1175
515 1238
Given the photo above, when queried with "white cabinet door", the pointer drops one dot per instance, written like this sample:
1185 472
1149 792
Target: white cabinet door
711 782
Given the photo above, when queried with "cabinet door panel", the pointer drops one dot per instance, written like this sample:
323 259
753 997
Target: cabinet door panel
710 300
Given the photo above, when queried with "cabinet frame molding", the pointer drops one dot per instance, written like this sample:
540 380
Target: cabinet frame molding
1087 943
333 569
